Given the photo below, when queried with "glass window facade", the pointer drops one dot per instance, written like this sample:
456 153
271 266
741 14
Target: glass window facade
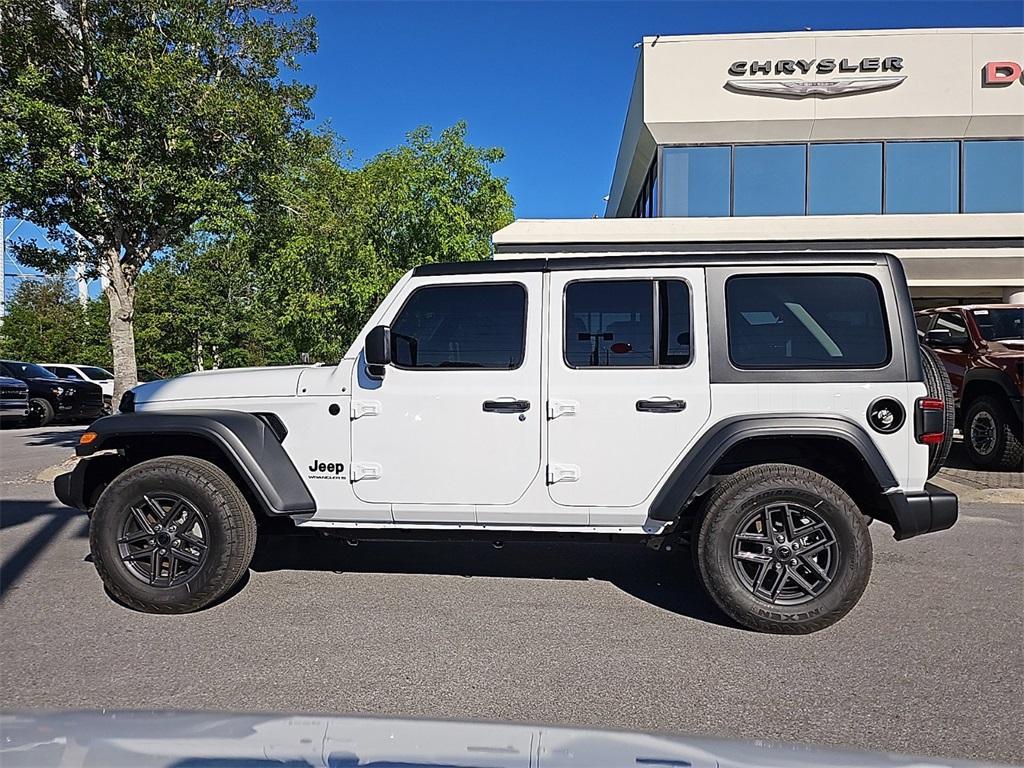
922 177
769 180
993 176
844 178
647 203
695 180
836 178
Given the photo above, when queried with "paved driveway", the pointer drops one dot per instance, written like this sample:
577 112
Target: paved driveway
931 660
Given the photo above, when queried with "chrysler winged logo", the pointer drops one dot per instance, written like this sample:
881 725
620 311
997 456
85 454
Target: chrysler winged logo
801 88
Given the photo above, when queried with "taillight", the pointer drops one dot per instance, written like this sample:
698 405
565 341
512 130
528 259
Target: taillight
929 420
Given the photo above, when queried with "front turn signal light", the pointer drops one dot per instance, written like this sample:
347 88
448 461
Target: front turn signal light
87 437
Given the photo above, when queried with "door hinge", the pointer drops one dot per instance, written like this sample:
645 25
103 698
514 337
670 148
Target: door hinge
558 408
563 473
365 408
366 471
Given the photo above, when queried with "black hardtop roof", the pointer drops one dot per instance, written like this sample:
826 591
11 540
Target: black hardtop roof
563 263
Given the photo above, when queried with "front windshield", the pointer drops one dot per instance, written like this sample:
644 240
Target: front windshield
1000 324
30 371
96 374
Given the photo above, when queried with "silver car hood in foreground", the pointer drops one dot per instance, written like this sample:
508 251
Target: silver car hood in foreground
197 740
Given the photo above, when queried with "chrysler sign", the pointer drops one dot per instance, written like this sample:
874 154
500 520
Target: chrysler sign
758 74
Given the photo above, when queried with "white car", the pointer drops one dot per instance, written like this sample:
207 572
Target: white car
91 373
757 408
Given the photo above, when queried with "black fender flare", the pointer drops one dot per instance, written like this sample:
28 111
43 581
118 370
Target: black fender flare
995 376
246 440
698 462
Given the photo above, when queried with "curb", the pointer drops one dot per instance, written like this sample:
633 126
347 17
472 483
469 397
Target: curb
968 495
47 475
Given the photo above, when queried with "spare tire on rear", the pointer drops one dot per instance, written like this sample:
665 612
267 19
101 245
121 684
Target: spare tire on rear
936 380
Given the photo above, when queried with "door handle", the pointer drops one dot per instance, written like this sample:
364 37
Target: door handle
661 406
506 406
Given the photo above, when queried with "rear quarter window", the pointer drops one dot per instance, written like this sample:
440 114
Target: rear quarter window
781 321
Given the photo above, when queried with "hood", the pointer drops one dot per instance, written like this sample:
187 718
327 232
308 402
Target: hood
75 385
13 383
224 383
1006 348
145 740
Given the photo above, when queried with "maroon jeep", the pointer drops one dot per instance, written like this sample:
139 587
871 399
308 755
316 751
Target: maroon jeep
982 347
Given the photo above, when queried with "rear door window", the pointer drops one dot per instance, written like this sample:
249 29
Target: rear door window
627 323
781 321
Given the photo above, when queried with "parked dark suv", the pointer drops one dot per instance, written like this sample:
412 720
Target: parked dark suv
982 347
53 398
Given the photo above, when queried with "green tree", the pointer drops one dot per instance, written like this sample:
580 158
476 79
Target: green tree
44 323
200 307
342 236
127 127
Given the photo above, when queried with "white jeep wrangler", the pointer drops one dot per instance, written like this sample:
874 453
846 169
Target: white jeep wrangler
761 408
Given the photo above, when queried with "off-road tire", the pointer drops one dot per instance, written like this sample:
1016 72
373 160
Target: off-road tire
232 533
733 499
936 381
1008 451
40 413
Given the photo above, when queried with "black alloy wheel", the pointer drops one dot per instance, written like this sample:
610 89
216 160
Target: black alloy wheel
171 535
40 412
782 548
785 554
164 539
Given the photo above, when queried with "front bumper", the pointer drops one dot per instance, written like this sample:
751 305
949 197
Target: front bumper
80 487
927 511
14 409
77 410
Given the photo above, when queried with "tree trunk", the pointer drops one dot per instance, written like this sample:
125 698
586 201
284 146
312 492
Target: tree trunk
120 292
199 352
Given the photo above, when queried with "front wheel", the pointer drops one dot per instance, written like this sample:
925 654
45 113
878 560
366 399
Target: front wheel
40 412
783 549
992 434
171 535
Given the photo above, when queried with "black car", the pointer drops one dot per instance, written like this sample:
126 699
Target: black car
54 398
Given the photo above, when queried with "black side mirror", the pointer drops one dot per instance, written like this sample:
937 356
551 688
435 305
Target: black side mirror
377 350
943 337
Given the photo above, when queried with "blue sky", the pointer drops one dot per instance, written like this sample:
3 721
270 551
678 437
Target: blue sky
546 81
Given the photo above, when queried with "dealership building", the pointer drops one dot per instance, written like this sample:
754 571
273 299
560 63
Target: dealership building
904 141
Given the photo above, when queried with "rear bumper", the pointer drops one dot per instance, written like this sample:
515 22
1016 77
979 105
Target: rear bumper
927 511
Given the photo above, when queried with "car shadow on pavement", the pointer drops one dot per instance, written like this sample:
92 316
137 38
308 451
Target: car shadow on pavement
15 512
663 579
67 438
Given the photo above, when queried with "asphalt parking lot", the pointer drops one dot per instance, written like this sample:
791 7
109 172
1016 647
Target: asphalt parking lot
930 662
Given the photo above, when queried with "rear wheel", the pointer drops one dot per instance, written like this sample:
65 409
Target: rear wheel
171 535
783 549
936 381
992 434
40 412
